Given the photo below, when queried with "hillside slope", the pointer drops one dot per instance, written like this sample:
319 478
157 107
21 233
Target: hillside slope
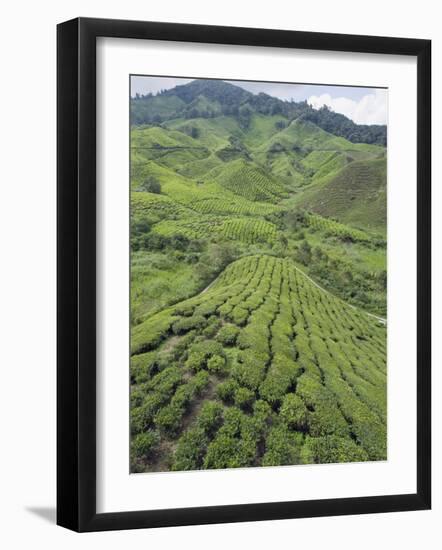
355 195
264 368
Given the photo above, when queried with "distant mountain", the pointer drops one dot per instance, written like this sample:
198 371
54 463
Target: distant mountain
215 98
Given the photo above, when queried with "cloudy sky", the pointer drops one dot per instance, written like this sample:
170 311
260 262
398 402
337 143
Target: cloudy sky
362 105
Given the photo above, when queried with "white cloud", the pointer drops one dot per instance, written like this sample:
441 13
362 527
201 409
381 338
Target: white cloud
370 109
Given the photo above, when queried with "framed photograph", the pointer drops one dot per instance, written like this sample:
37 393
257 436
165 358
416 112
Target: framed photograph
243 274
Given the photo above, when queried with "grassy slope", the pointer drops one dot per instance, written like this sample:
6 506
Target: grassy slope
156 281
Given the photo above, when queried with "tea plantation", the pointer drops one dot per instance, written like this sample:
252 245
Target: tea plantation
258 283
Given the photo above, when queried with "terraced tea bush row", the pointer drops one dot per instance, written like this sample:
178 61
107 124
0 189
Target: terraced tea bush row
220 205
262 338
335 228
249 181
156 206
247 230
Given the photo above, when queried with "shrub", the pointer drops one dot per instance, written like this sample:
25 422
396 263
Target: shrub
216 363
185 393
227 335
282 447
222 452
143 444
186 324
196 360
184 309
294 412
226 390
141 417
281 375
190 450
212 327
210 417
166 381
235 443
183 396
201 351
304 253
333 449
142 367
262 411
164 359
183 344
151 185
149 334
244 397
137 395
168 419
200 381
250 368
239 315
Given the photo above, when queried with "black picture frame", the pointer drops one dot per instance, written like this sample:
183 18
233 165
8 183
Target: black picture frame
76 274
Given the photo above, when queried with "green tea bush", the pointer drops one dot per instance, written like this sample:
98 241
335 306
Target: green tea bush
199 381
262 411
142 417
150 333
239 315
196 360
244 398
216 364
283 447
183 344
250 369
190 450
223 453
294 412
166 381
185 309
144 444
235 443
137 395
280 377
185 324
168 419
226 390
201 351
142 367
333 449
212 327
228 334
210 417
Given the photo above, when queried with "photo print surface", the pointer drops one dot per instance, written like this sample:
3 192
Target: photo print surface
258 274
